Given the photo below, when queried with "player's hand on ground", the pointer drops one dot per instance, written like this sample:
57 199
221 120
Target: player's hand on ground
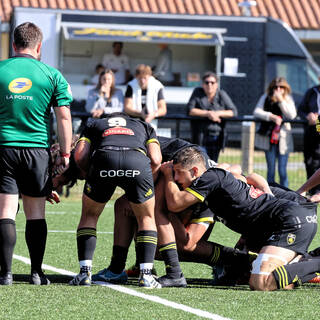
53 197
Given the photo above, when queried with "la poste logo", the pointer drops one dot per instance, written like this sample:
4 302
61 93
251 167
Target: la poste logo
20 85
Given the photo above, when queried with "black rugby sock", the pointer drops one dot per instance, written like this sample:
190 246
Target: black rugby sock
36 238
86 242
118 260
7 242
296 273
225 255
146 246
170 257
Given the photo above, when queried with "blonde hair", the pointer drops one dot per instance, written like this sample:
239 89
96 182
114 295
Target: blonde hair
143 70
279 82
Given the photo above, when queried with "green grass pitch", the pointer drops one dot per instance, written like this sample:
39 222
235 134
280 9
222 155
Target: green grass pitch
61 301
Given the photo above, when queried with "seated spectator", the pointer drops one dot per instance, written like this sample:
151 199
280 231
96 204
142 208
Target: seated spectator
118 63
213 105
163 68
95 79
144 96
274 136
105 98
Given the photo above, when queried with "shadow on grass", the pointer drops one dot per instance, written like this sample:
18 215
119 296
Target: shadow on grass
53 278
206 283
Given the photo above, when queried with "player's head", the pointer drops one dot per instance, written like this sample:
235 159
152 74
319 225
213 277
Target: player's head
69 177
28 36
188 164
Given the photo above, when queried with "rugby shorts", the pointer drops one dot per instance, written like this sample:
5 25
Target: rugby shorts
294 229
25 170
128 169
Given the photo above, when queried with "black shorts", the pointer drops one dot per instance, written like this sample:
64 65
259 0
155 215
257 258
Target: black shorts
201 214
294 229
129 169
25 170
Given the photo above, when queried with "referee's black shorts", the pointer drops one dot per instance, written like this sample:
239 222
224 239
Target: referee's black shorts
128 169
25 170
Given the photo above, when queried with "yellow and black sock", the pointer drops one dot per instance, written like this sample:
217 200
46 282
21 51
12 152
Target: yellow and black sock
296 273
146 246
86 241
170 257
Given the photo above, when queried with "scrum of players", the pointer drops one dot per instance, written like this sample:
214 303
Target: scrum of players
190 193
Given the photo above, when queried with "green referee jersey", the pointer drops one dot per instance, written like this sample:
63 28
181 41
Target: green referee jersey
28 89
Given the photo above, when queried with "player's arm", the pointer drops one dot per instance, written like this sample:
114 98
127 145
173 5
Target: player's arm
313 181
64 126
176 200
154 153
258 182
82 154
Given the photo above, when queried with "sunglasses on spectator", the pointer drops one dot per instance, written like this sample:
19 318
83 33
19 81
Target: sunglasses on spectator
210 82
281 87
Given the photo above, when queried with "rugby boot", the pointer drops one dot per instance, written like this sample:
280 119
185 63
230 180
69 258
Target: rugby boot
39 278
146 280
134 271
81 279
108 276
6 279
316 279
166 281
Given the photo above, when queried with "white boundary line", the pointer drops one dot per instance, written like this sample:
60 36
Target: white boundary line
167 303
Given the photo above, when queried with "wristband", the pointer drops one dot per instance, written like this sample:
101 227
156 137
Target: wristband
65 155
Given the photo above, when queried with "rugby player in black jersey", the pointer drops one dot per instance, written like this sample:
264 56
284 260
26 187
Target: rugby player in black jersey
118 151
188 233
280 228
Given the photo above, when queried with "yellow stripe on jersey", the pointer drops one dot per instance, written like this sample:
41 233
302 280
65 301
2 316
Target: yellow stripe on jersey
84 139
205 219
153 140
140 150
196 194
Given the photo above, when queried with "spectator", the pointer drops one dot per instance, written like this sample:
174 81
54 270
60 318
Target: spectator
309 109
105 98
213 105
274 136
95 79
118 63
25 162
144 96
163 67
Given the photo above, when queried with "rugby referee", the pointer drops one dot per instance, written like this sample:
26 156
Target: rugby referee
28 89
